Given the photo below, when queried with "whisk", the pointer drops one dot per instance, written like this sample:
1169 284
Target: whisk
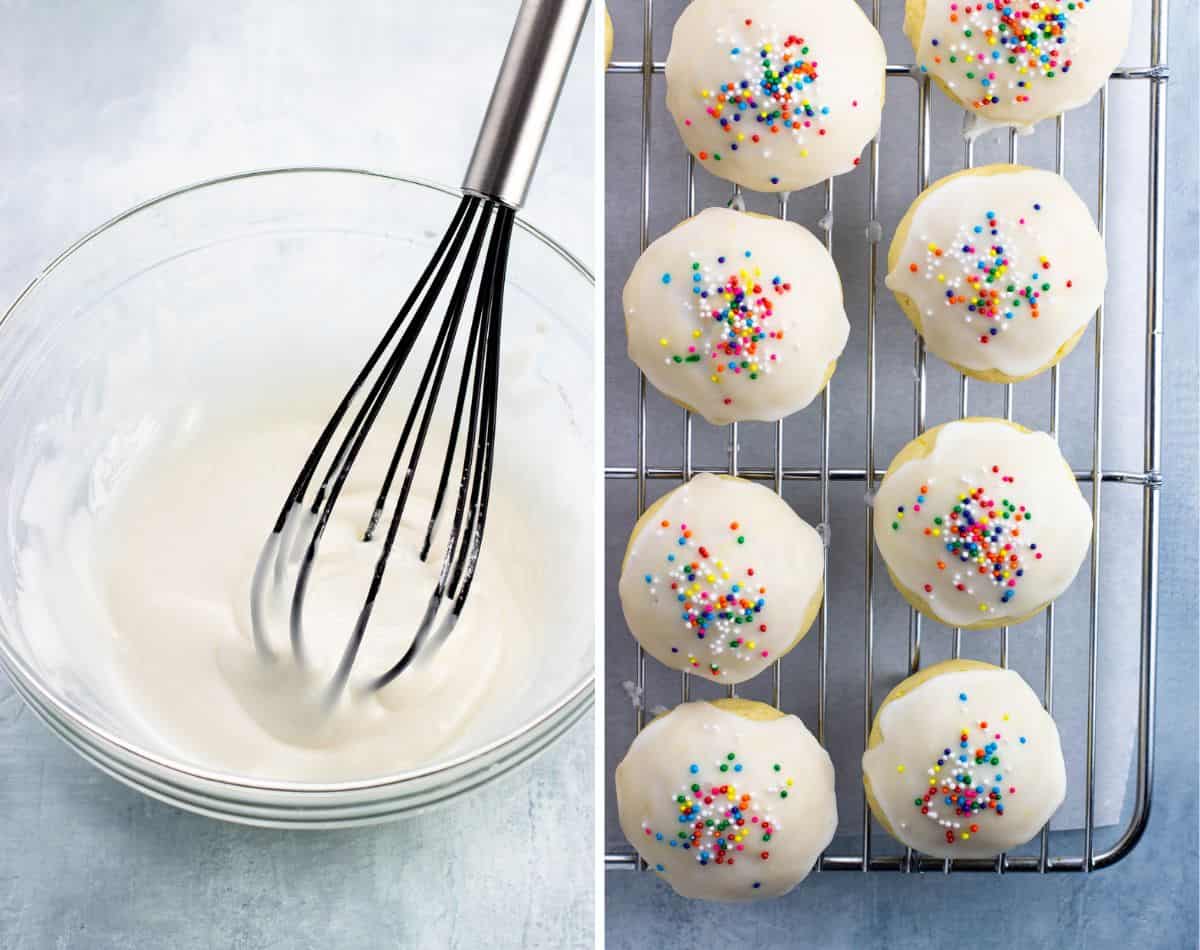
497 181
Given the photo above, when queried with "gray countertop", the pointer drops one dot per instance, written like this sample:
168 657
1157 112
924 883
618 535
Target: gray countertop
1148 899
102 106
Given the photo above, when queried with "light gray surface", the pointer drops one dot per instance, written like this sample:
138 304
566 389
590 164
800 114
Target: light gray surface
102 106
1150 897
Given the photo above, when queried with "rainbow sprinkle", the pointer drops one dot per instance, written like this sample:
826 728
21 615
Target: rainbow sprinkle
966 783
735 304
715 605
719 823
984 535
983 278
1004 49
772 96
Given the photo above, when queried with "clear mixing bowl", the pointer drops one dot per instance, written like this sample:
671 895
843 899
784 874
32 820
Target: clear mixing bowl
222 286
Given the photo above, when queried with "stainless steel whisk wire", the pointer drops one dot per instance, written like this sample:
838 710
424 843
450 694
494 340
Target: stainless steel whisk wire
497 181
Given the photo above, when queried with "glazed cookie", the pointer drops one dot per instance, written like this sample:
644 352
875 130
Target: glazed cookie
963 761
729 800
776 95
981 523
736 316
721 578
1018 63
1000 269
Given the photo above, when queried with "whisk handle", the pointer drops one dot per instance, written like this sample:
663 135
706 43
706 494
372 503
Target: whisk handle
527 88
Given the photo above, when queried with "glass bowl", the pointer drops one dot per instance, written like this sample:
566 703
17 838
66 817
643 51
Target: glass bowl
221 285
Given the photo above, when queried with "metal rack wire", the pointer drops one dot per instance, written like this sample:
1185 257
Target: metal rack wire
1148 480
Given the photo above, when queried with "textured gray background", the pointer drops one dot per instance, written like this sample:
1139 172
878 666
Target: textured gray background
1150 898
103 105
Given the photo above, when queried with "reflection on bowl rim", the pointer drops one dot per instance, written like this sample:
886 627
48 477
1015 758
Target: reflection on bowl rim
17 669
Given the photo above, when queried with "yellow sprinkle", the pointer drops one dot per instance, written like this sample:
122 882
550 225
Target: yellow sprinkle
900 769
966 836
696 334
662 341
804 153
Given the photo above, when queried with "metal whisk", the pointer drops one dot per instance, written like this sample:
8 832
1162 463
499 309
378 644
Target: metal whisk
496 183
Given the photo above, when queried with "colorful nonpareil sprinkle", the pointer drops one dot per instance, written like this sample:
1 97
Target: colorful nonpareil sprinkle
985 279
770 100
719 604
720 821
967 784
733 303
983 541
1005 51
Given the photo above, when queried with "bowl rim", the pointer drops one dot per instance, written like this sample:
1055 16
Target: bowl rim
15 667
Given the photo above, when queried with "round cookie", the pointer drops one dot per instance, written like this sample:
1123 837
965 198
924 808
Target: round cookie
963 761
980 523
1018 63
1000 269
736 316
721 578
776 95
729 800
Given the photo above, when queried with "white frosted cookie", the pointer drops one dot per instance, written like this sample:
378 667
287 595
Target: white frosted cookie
963 761
776 95
981 523
729 800
1018 63
1000 269
736 316
721 578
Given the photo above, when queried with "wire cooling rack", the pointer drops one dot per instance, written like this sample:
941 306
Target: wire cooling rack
1146 482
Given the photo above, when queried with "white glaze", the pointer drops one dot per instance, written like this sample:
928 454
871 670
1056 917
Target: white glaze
784 552
657 769
666 320
1052 249
1095 40
917 729
961 461
713 45
177 553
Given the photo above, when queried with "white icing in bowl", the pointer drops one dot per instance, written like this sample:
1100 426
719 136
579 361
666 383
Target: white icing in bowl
240 306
